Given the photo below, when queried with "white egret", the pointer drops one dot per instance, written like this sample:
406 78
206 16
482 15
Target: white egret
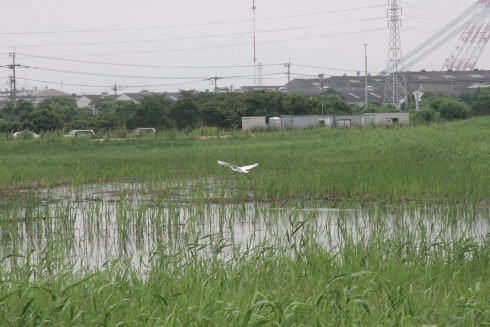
243 170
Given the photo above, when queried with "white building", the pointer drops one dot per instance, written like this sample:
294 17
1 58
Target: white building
252 122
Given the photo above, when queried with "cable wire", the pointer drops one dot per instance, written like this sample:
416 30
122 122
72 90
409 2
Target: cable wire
184 38
189 25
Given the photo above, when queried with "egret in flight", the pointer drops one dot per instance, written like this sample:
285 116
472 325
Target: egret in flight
243 170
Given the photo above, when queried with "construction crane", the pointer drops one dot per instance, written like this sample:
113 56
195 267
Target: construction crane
474 27
472 42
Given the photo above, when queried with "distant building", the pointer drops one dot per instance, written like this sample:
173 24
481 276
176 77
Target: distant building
300 122
34 95
353 87
257 88
385 118
86 100
290 121
138 97
135 97
253 122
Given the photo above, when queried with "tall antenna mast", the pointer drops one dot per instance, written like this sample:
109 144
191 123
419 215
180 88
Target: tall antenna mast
261 74
395 90
255 45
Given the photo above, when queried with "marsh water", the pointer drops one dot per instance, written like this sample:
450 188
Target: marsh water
92 225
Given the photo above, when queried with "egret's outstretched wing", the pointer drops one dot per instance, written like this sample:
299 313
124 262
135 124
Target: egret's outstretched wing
222 163
245 168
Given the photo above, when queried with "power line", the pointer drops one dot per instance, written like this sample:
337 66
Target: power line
132 76
327 68
135 65
185 38
228 45
438 9
189 25
111 75
118 5
108 87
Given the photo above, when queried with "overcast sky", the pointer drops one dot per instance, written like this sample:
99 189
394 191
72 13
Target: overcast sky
167 45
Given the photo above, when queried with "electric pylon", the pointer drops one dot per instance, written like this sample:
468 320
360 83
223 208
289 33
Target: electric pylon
395 90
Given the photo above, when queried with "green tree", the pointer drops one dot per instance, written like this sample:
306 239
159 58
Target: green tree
476 95
9 126
465 98
371 109
153 112
336 106
187 94
23 106
107 104
125 115
331 91
211 114
481 107
260 102
428 96
61 101
424 116
451 109
7 111
65 107
40 120
184 113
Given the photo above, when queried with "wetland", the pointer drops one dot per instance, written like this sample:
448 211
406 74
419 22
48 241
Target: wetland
372 227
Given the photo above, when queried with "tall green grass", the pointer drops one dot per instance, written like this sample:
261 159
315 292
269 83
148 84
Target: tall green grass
372 266
431 162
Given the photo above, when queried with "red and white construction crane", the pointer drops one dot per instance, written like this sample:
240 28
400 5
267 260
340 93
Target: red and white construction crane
473 40
473 27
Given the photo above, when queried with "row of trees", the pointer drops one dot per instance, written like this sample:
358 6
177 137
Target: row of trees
190 111
220 110
434 108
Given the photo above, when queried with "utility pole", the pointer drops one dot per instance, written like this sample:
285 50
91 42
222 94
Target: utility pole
288 66
366 81
215 79
117 87
417 97
13 80
12 54
321 76
255 45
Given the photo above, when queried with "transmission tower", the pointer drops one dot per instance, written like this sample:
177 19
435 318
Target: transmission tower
395 90
473 41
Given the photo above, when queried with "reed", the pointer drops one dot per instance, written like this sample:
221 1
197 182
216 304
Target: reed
359 227
131 263
429 162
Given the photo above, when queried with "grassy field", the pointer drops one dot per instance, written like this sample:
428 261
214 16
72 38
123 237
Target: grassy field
384 277
407 207
434 162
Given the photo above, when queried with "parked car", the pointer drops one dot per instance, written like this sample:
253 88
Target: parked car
80 132
145 130
26 134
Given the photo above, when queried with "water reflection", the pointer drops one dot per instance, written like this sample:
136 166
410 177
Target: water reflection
93 225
